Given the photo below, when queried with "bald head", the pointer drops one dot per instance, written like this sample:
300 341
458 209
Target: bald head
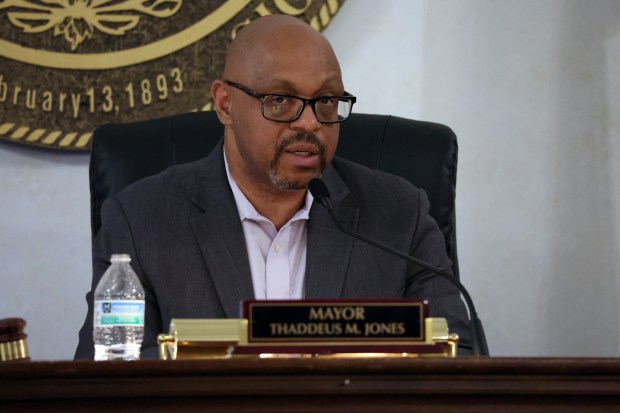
270 41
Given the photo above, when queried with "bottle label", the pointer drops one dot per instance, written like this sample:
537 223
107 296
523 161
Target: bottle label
119 313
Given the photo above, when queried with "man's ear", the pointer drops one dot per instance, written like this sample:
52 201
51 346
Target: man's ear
221 101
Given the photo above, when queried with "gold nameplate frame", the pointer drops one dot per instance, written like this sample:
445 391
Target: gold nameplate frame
325 328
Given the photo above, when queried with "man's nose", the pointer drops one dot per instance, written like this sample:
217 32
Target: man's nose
307 121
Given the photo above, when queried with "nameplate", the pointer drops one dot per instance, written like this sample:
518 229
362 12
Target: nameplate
335 321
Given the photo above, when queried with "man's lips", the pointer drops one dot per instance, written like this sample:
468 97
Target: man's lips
302 150
303 154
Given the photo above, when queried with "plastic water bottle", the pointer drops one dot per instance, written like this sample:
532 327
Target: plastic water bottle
118 326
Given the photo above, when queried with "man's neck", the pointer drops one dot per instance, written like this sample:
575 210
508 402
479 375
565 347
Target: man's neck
276 205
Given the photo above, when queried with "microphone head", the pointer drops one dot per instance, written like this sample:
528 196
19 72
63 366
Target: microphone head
318 189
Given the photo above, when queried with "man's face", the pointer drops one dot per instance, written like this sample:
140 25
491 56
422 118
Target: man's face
279 155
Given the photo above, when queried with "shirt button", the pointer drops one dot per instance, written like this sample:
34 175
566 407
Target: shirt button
277 248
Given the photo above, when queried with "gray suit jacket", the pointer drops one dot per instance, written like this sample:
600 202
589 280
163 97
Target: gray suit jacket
182 230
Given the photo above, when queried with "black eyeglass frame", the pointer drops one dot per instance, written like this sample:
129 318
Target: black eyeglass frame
311 102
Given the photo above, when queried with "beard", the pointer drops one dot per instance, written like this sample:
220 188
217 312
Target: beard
284 183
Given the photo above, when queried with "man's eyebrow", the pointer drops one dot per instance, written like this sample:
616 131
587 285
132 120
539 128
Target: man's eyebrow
291 87
279 84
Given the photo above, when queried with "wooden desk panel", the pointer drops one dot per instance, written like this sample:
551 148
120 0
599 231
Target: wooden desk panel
314 385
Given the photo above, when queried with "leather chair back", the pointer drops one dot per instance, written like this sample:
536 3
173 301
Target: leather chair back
422 152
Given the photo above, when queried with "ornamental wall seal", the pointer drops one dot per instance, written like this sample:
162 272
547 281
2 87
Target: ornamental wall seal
68 66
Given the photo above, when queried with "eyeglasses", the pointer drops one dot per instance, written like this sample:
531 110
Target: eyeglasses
286 108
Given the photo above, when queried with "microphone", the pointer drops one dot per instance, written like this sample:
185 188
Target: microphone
320 193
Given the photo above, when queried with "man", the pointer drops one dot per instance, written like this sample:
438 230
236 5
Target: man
240 224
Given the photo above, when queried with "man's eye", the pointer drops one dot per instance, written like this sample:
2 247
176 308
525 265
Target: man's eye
279 100
327 101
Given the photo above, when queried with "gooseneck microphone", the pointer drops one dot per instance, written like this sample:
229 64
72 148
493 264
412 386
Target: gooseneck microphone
320 193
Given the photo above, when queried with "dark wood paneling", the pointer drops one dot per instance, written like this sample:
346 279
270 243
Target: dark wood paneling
314 385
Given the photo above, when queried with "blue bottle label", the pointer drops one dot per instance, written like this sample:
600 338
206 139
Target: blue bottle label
119 313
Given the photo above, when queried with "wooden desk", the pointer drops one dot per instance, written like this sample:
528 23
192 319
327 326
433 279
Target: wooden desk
314 385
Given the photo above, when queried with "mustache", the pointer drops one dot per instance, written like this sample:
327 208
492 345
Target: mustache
282 181
301 137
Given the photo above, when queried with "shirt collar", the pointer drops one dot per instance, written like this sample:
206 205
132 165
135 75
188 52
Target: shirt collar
247 210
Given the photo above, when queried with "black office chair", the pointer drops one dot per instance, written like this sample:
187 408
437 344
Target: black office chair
424 153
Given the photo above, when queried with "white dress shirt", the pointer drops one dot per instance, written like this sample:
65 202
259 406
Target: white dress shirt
277 258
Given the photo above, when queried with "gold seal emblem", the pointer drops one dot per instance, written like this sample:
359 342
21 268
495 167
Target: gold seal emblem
68 66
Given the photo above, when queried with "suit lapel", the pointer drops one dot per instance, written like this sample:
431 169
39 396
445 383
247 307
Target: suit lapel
219 234
329 249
